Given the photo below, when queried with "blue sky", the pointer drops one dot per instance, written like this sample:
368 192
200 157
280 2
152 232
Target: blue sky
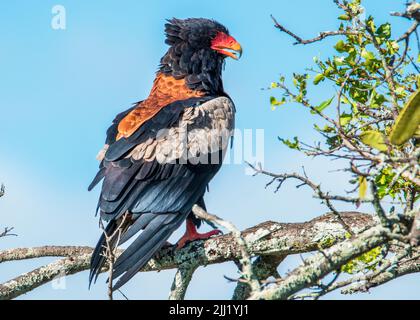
60 89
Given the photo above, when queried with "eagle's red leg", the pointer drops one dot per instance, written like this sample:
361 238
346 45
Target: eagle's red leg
191 234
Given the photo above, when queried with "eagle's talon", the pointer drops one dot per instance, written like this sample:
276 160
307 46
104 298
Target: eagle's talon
191 234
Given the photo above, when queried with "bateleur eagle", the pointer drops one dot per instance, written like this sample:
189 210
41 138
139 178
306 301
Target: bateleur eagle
161 154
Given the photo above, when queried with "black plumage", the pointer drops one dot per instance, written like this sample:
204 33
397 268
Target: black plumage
190 56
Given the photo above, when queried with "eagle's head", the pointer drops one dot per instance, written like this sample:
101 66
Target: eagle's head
198 48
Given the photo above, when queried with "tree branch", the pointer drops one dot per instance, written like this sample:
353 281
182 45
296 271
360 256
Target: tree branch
181 281
36 278
323 263
266 239
320 37
6 232
264 267
401 269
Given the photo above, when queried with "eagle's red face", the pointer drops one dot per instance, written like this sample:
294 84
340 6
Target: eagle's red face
226 45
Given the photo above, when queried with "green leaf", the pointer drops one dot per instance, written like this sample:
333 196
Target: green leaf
344 17
276 103
393 47
384 31
374 139
417 133
323 105
339 61
329 71
318 78
326 129
368 55
368 261
345 119
408 121
291 144
362 187
371 24
340 46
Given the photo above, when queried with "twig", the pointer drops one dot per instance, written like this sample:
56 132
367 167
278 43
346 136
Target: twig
378 207
321 36
122 293
6 232
110 250
316 188
409 32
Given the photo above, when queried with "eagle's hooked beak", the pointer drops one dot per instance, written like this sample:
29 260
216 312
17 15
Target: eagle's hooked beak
237 51
227 45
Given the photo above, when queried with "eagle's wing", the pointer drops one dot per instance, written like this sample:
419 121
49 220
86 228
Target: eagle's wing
157 174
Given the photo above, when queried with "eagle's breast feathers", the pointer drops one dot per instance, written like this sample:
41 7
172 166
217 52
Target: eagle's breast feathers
166 89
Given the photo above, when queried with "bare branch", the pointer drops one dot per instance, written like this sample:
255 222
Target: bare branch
6 232
410 31
46 251
306 181
321 36
412 11
36 278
